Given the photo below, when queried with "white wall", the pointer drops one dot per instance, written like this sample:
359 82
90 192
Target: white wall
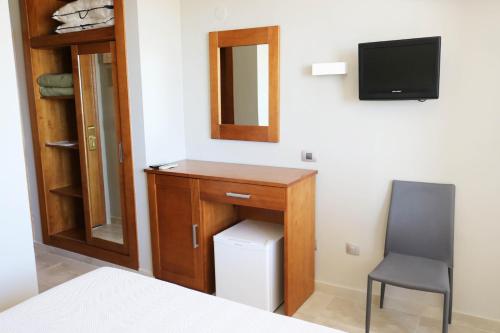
161 68
155 92
18 271
138 137
25 118
361 146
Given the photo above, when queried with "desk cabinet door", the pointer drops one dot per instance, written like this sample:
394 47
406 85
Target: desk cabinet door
175 227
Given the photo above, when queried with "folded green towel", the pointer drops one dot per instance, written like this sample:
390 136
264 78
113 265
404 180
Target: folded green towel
56 80
54 91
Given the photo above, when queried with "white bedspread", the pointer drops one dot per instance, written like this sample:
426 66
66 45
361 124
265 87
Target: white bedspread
112 300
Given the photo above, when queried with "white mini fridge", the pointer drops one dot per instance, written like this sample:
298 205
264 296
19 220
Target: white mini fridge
249 264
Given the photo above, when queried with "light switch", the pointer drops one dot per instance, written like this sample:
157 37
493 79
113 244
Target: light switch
308 156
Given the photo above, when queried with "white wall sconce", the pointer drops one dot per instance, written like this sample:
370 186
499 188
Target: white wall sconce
329 68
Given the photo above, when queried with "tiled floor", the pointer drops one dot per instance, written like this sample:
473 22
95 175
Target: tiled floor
53 269
348 314
329 307
112 232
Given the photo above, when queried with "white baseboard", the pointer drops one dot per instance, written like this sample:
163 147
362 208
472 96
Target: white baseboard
404 300
146 272
395 294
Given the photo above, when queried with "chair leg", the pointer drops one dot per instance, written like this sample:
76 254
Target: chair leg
382 295
446 312
368 305
451 295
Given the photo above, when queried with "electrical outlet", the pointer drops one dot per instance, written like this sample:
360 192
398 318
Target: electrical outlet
352 249
308 156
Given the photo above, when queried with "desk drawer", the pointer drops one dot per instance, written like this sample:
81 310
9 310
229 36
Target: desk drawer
243 194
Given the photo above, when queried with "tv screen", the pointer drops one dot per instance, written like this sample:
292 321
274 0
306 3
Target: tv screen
401 69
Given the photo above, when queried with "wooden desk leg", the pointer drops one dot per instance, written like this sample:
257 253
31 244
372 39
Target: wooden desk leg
299 244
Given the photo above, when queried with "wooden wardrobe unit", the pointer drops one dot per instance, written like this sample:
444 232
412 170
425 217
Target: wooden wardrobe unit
68 187
194 201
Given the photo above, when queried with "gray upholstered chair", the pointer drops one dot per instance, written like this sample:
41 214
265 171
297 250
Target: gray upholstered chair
419 243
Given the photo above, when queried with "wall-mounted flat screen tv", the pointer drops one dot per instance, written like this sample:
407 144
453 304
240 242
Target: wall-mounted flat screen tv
400 69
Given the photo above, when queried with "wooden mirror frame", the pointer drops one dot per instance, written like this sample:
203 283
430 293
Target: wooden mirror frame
245 37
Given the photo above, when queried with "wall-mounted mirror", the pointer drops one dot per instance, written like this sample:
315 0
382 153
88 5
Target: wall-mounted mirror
245 84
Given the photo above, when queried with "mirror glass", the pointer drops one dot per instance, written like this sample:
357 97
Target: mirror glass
103 146
244 85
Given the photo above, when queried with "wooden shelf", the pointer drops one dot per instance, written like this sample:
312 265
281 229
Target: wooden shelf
58 97
68 145
69 191
77 234
72 38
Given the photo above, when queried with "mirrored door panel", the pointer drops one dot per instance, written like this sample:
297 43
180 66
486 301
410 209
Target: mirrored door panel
102 152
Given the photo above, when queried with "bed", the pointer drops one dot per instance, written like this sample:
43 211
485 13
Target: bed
114 300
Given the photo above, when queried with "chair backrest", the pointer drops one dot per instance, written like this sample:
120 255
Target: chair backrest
421 220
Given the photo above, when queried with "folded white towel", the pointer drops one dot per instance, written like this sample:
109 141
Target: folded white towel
70 27
83 12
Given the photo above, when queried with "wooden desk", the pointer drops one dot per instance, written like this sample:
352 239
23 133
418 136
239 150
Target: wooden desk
196 200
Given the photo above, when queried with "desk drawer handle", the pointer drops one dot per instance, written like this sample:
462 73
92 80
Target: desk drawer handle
194 231
238 195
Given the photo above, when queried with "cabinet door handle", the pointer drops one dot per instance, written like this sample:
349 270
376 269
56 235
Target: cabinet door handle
194 231
238 195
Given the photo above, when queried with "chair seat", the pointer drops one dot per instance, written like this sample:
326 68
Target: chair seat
413 272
